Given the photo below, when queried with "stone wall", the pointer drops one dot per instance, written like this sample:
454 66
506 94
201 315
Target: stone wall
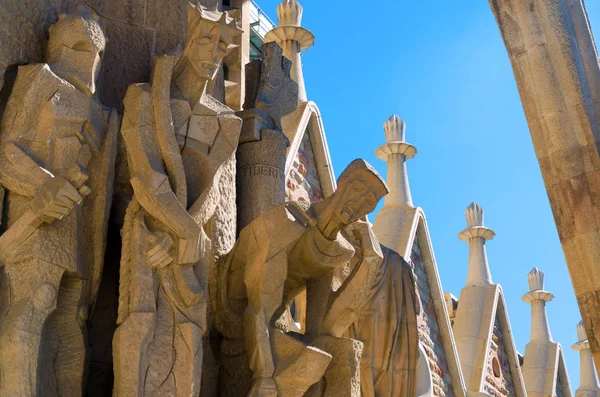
502 385
23 28
429 332
137 30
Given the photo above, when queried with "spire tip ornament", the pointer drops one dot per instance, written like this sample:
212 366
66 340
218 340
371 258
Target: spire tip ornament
536 279
395 129
474 214
289 13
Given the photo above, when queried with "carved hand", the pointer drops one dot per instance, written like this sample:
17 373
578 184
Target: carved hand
159 255
263 387
56 198
362 232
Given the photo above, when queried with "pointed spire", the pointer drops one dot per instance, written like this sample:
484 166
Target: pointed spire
537 297
476 234
588 377
292 38
395 152
397 206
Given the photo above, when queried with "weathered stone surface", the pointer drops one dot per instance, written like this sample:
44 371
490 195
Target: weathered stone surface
27 22
125 42
131 12
167 16
166 43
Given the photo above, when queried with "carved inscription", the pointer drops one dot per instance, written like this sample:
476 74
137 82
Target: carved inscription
260 169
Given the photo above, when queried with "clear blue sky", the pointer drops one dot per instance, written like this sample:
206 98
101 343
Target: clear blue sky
443 68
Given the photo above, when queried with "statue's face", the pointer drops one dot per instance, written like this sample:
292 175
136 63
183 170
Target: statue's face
359 198
206 49
77 46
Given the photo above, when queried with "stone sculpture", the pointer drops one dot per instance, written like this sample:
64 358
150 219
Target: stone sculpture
56 164
276 255
178 141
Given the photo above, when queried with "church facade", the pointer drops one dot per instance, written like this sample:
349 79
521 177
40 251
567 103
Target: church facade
172 225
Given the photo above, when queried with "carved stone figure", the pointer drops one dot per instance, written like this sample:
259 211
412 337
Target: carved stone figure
274 258
178 141
56 163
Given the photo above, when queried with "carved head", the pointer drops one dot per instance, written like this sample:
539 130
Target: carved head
75 48
360 187
209 34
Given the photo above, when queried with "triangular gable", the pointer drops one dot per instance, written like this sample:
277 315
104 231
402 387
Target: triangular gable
308 169
563 384
435 330
482 310
545 370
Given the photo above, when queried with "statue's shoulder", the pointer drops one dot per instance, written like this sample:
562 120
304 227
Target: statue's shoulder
210 106
38 72
35 85
36 80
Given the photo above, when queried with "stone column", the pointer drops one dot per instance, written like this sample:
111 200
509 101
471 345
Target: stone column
389 221
476 235
293 39
537 298
555 62
270 95
588 378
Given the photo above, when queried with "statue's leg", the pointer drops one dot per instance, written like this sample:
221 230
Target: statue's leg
64 345
159 379
34 286
188 358
130 354
298 366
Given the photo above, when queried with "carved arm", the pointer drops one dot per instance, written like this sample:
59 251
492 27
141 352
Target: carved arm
156 197
20 173
256 320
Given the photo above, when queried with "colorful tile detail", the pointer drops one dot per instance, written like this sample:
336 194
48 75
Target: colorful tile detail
303 185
